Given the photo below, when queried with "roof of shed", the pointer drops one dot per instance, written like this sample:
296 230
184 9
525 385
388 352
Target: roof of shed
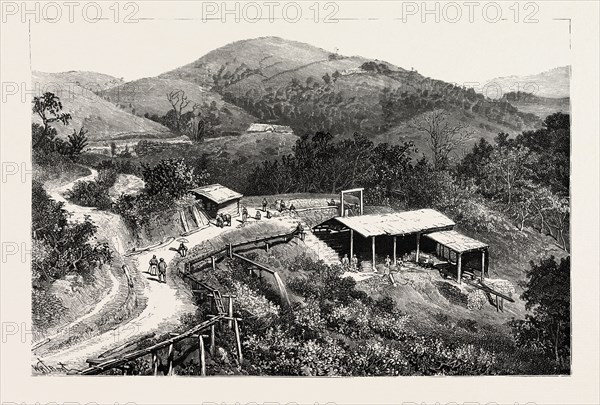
456 241
397 223
217 193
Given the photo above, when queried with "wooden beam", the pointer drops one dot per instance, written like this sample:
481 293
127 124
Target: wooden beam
459 267
238 341
418 247
373 249
201 355
154 363
212 341
213 263
361 201
170 359
351 244
395 249
229 311
482 265
343 211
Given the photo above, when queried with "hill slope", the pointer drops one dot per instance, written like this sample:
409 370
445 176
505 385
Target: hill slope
310 89
554 83
103 120
149 96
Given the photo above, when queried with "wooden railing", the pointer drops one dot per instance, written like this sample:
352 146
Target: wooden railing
99 366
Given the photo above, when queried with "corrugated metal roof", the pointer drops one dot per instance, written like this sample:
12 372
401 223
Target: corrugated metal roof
397 223
456 241
217 193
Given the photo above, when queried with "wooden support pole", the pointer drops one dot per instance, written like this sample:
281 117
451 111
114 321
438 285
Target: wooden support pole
212 341
170 359
487 262
238 341
482 265
373 249
154 363
230 250
351 243
266 247
395 249
418 247
342 210
201 355
361 202
213 262
459 268
230 310
497 304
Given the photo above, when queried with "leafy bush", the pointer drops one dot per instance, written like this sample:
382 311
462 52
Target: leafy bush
94 193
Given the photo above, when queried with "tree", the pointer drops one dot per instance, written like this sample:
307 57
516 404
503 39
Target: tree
49 108
443 136
77 142
179 102
547 295
507 169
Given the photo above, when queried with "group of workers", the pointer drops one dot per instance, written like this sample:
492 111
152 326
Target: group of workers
352 264
279 206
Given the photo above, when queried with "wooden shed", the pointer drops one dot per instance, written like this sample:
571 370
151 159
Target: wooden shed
454 247
217 199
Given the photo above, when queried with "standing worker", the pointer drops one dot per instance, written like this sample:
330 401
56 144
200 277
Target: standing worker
153 266
162 271
264 204
244 214
354 262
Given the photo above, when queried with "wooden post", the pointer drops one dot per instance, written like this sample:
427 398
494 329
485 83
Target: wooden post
266 247
373 249
351 243
459 269
213 262
212 341
170 357
361 202
418 247
395 249
487 262
238 341
342 210
230 249
230 310
201 354
154 363
482 265
497 304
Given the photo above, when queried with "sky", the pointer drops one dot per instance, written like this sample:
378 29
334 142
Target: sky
463 46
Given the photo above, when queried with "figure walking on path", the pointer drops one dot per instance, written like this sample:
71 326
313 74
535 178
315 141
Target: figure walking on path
153 266
162 271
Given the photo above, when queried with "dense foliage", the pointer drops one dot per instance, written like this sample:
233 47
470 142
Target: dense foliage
547 329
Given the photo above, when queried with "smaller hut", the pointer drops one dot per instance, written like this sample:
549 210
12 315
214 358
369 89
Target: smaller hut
217 199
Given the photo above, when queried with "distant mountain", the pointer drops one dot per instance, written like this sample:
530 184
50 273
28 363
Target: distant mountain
277 81
308 88
540 106
554 83
103 120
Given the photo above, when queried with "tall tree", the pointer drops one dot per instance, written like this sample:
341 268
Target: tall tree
444 137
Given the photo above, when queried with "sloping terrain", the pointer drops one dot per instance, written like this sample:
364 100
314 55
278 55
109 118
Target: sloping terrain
149 96
540 106
103 120
94 81
310 89
554 83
